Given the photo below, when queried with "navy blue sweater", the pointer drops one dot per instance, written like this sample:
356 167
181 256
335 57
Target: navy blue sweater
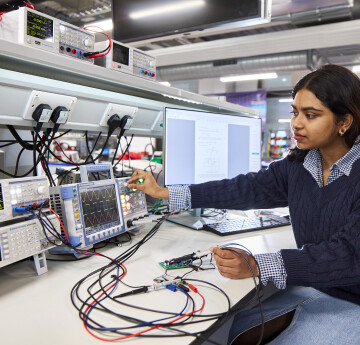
325 221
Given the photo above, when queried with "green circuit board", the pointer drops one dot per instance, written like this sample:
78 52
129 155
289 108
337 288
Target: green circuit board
174 266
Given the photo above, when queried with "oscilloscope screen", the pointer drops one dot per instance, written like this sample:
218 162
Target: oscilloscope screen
99 208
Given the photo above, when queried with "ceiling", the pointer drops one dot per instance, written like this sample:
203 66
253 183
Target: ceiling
288 43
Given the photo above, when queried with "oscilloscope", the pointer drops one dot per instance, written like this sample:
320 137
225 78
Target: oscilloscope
89 211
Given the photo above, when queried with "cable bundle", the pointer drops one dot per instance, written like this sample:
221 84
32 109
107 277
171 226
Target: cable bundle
95 299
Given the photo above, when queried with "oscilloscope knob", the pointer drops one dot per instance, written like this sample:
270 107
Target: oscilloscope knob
41 190
87 42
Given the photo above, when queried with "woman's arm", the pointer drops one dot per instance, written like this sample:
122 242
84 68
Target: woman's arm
144 181
264 189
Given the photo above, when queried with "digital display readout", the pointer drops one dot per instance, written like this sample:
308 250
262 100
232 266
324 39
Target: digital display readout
121 54
39 26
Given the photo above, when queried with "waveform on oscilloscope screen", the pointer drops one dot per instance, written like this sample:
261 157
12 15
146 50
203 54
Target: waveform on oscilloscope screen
98 194
99 206
93 220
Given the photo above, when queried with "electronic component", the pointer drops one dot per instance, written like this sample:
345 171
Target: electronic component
153 287
68 176
133 205
89 211
185 260
38 30
127 59
87 169
193 256
175 265
21 240
21 192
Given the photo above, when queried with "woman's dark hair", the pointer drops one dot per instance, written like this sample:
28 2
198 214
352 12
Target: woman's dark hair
339 90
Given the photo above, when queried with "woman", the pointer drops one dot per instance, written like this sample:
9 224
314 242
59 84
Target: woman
320 182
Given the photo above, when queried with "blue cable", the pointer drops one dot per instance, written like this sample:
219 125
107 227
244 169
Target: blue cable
149 322
169 317
86 315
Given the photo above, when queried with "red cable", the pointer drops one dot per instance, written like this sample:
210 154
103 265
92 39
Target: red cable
152 328
1 13
29 5
110 42
61 223
157 176
64 153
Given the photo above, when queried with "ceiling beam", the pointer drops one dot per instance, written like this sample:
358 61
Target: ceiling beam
315 37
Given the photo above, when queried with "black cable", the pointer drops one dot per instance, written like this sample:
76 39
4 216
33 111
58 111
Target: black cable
88 147
24 145
61 160
18 160
99 51
255 283
65 173
43 160
18 139
104 272
127 147
171 326
128 253
8 144
62 134
152 157
116 150
34 136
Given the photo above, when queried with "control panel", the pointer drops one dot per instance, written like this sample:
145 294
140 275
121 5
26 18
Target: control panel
127 59
21 240
89 210
133 203
21 192
38 30
144 65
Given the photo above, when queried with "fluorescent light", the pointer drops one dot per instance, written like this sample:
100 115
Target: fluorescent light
166 83
179 6
249 77
285 100
105 24
356 69
284 120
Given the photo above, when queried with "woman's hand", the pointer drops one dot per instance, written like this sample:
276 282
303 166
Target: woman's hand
232 265
147 184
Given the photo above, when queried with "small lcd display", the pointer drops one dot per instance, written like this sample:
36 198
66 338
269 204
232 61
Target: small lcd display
1 199
99 207
39 27
121 54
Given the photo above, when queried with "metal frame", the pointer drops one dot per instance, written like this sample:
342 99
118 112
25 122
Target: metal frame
24 69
